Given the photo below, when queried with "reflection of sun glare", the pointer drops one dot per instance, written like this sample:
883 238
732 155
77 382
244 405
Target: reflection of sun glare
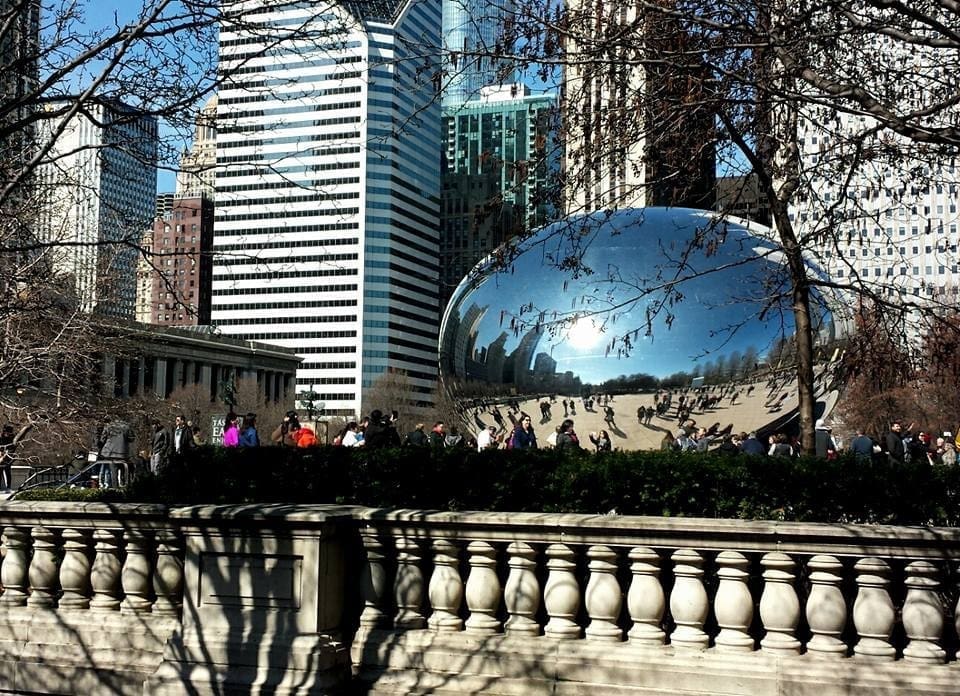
583 334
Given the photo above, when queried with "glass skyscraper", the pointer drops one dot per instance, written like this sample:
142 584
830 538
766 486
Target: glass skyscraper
471 29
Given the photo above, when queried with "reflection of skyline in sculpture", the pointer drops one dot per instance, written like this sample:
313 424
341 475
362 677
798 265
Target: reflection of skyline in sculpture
533 327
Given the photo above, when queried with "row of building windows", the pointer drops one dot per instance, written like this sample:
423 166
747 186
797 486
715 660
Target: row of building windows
284 214
281 156
288 184
248 128
273 275
326 365
300 319
292 244
267 169
282 110
312 197
284 289
299 139
246 260
293 304
295 335
227 60
269 96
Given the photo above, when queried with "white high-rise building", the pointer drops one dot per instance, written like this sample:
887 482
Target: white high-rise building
328 183
97 188
880 210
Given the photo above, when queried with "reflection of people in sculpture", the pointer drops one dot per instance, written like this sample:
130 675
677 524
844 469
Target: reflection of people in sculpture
566 409
601 441
641 415
608 416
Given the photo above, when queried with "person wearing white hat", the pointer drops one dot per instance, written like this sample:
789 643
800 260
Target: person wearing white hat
826 447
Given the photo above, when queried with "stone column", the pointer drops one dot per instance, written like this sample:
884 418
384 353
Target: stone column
43 570
826 608
522 591
733 604
178 372
14 574
561 596
922 614
408 585
105 574
206 374
135 575
873 612
109 368
603 596
373 583
141 375
445 590
160 377
483 588
75 570
124 378
779 605
168 575
688 601
645 599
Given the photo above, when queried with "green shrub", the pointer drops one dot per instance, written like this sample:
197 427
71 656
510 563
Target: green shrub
632 483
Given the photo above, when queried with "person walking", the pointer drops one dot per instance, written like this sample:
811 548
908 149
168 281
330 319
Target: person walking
8 445
160 447
182 437
115 441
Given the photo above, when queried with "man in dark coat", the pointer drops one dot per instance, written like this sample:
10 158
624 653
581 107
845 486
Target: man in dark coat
894 443
380 434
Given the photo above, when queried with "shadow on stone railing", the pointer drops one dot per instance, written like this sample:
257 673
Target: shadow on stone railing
91 594
522 603
266 599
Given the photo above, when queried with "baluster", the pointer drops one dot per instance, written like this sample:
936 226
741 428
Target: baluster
688 601
105 574
956 613
604 598
826 608
445 590
873 613
733 603
779 605
43 571
373 583
14 571
135 576
922 614
408 585
561 596
168 575
75 570
522 591
483 588
645 599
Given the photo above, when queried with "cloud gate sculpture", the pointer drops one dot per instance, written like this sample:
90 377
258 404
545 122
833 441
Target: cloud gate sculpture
606 317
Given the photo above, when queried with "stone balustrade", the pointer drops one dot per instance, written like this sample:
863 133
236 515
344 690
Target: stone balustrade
148 600
739 595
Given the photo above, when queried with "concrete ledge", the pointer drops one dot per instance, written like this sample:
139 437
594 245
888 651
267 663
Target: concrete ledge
423 661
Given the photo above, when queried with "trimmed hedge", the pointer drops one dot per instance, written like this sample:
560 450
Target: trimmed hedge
632 483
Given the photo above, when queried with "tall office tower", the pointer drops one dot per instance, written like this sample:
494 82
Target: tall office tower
630 137
174 278
880 210
97 191
19 78
471 30
328 185
197 174
496 172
